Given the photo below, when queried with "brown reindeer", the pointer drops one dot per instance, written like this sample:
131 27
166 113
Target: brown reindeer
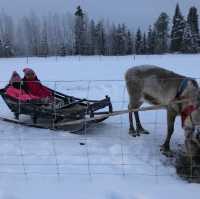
160 86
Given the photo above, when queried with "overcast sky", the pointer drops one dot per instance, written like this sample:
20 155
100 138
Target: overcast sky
133 12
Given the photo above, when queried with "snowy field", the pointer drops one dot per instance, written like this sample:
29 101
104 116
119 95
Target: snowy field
111 165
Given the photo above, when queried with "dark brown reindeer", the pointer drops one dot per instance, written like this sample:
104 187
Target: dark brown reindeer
160 86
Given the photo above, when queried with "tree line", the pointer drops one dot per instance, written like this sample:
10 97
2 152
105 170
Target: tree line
77 34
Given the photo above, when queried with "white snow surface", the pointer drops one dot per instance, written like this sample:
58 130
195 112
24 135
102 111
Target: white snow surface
36 163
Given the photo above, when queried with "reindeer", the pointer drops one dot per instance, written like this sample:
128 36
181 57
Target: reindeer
160 86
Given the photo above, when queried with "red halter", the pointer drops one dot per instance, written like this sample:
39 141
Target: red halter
187 112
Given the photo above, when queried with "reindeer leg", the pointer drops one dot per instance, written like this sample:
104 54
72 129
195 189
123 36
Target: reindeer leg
139 128
134 102
132 130
165 148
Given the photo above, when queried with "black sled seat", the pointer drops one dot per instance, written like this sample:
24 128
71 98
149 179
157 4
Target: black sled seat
63 108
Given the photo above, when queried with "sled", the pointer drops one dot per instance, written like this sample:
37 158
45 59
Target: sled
63 109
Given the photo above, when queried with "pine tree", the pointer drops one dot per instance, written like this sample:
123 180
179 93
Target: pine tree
144 44
100 38
121 44
161 28
113 38
138 42
80 32
192 20
79 11
188 43
93 38
44 49
124 38
177 31
8 49
32 34
7 30
129 43
1 49
150 41
117 41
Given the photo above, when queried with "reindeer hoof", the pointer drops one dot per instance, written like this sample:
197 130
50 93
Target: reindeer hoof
133 133
143 131
166 151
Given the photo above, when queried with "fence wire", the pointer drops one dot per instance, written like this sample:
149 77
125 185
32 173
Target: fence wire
103 149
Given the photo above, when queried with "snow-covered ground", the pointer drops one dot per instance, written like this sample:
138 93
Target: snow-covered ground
112 165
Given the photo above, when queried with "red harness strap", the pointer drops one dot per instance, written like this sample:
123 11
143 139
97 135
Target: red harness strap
187 112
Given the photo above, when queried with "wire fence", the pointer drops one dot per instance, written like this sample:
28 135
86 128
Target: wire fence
102 149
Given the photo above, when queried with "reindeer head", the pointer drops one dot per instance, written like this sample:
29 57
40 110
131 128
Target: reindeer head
191 123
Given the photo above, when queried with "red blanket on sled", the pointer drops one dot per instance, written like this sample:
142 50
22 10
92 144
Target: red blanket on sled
37 89
20 94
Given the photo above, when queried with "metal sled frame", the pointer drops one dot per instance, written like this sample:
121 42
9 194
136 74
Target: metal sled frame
68 111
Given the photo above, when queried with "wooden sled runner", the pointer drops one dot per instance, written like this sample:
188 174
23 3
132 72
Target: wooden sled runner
62 109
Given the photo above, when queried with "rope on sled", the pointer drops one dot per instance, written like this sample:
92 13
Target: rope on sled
121 112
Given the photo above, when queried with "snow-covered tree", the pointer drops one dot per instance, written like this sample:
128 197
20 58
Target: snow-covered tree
100 39
161 28
109 31
80 32
192 20
64 34
138 42
92 38
144 44
120 40
188 42
113 40
1 49
32 33
177 31
44 48
68 34
7 30
151 41
129 39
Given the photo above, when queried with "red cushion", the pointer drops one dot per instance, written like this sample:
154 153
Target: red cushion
37 89
20 94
